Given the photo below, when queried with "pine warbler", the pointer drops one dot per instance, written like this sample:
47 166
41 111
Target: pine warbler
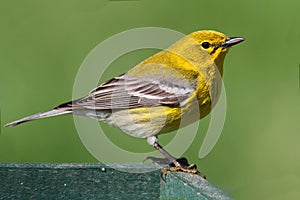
169 90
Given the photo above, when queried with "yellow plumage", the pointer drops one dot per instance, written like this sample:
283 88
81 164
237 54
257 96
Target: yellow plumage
185 61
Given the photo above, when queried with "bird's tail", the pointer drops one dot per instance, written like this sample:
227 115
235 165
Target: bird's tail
49 113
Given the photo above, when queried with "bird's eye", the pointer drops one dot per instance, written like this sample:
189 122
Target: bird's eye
205 45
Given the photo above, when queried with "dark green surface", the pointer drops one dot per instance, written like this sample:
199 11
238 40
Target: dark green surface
188 186
43 43
97 181
76 181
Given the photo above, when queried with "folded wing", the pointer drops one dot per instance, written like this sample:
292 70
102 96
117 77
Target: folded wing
128 92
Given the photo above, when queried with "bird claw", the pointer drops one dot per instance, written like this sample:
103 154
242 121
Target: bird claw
184 167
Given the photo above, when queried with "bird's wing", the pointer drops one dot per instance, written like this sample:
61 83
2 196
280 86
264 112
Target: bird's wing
129 92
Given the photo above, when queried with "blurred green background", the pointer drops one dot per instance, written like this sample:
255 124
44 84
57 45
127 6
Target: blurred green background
43 43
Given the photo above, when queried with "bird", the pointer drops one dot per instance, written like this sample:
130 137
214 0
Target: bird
171 89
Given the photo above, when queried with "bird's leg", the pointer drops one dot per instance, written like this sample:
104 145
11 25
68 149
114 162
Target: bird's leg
180 164
166 154
152 140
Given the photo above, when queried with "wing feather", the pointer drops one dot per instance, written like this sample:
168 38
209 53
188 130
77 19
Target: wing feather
127 92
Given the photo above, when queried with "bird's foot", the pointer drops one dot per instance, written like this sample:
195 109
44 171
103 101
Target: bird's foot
184 167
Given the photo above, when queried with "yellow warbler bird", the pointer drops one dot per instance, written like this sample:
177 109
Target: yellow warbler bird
169 90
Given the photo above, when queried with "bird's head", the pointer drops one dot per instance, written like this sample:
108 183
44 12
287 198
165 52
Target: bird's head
203 47
213 42
216 44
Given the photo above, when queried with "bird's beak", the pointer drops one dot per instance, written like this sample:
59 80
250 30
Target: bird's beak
232 41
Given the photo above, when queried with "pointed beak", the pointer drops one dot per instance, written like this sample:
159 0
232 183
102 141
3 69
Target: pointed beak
232 41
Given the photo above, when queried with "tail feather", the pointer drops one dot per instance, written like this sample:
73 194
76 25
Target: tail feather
49 113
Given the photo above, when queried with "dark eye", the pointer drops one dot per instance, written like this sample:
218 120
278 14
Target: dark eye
205 45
